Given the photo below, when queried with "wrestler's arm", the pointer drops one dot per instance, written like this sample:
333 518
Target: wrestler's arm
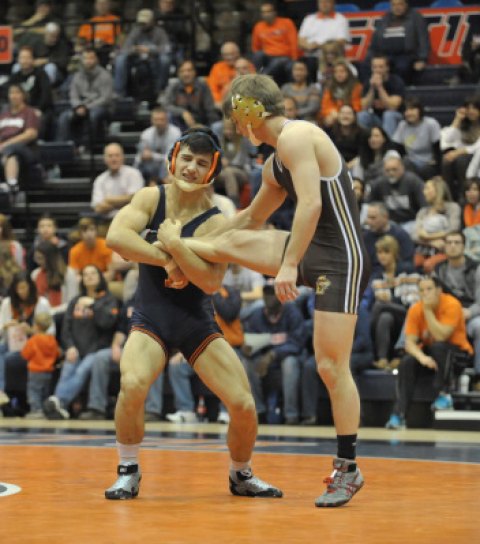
296 151
124 233
268 199
205 275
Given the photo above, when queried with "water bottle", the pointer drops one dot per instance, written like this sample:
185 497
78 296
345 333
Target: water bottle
463 383
201 409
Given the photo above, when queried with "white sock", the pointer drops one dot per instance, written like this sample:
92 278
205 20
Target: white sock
128 453
239 466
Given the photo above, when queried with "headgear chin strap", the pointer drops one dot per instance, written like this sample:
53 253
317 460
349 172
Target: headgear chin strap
187 187
216 166
248 111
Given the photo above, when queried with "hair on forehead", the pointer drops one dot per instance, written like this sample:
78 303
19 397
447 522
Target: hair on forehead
261 87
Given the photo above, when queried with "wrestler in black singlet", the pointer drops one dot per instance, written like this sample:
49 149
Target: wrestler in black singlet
180 319
336 263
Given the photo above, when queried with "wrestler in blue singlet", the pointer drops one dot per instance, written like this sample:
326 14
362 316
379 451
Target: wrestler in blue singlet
180 319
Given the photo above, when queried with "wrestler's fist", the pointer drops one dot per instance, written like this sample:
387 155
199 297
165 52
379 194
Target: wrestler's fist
169 231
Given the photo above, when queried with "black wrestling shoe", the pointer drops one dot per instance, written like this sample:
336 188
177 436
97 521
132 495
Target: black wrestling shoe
245 484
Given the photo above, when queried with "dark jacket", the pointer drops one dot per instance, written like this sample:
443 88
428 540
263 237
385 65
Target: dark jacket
416 42
291 322
407 247
402 199
199 102
91 329
37 86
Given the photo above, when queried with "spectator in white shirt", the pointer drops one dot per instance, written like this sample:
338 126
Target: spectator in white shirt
116 186
319 27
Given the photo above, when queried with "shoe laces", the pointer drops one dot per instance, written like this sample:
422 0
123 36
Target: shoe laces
334 481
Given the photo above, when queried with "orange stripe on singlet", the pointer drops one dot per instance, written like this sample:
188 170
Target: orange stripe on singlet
203 346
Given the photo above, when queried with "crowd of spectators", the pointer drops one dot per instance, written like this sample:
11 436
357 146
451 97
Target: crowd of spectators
417 185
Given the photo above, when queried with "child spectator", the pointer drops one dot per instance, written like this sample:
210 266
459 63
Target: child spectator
41 351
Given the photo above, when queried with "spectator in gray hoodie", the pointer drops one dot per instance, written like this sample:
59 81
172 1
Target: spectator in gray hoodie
90 99
402 36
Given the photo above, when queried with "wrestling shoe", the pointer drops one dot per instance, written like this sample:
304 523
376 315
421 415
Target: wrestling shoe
345 480
127 484
243 483
53 409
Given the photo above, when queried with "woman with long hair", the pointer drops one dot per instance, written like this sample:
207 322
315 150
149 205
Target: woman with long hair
17 313
305 94
7 235
343 88
88 326
471 209
347 134
433 222
458 143
53 279
369 166
9 267
394 290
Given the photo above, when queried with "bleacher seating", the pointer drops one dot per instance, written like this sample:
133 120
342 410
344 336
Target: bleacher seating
69 196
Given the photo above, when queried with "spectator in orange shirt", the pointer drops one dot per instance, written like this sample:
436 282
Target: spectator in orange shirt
223 72
274 44
41 352
91 250
343 88
435 329
102 30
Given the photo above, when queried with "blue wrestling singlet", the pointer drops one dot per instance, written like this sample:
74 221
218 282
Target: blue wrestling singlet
336 263
180 319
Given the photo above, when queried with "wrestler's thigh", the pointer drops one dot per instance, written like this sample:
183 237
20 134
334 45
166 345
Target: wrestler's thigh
143 358
222 371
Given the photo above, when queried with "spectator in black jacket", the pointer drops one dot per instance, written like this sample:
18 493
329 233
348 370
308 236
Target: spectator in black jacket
52 52
379 225
33 80
285 325
400 191
402 35
89 325
189 99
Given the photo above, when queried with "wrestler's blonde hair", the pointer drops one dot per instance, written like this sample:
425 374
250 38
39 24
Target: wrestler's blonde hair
260 87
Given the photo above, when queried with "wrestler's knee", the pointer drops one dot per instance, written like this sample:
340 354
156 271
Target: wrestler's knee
133 389
328 369
241 405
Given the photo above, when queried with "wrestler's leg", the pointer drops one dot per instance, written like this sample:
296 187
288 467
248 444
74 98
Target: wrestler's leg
221 370
260 250
142 360
333 339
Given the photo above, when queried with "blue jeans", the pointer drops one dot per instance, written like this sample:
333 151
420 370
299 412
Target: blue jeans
179 375
3 354
310 387
290 368
473 331
96 117
100 378
38 388
73 377
389 120
159 68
